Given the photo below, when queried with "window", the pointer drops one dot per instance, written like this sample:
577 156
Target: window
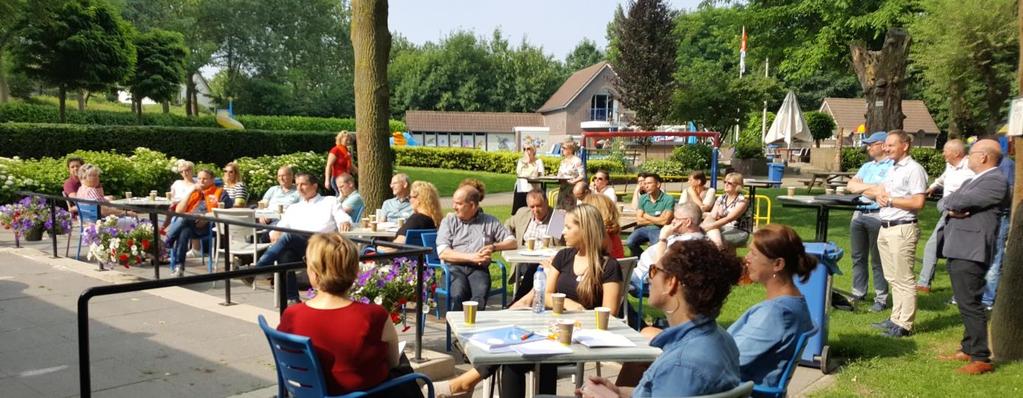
601 107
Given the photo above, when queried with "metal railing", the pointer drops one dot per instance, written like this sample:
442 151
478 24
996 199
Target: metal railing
85 378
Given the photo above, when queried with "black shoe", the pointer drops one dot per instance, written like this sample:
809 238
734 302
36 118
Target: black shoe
896 331
883 325
877 307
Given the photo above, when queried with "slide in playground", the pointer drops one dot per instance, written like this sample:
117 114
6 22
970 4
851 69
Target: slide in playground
226 120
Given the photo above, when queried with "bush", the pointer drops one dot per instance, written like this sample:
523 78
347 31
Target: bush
853 158
213 145
821 125
931 159
611 165
663 167
748 150
692 157
32 113
260 173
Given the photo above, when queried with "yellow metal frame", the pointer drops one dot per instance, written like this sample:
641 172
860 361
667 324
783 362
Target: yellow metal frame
552 197
757 217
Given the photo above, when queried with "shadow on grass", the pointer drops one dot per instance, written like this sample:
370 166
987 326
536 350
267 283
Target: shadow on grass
856 346
937 300
938 323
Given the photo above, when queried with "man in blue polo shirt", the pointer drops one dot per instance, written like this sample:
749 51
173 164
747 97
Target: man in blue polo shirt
654 211
865 225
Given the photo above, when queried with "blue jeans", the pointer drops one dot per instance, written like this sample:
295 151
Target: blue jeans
641 235
866 261
288 248
469 282
180 232
931 254
995 272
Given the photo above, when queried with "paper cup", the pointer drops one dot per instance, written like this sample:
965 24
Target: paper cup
262 204
829 191
530 244
220 205
152 196
840 190
280 208
602 314
365 222
127 194
373 226
548 241
792 191
558 302
469 311
401 222
168 196
565 327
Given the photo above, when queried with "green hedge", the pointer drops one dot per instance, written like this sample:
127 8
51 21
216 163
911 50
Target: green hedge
32 113
213 145
477 160
931 159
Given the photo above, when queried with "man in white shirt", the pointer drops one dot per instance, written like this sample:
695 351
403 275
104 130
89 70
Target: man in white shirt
901 196
684 226
313 213
957 171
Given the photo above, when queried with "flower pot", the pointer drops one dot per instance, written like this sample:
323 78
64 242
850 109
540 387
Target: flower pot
34 234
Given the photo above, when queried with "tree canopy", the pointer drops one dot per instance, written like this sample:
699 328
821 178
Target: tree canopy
645 60
160 67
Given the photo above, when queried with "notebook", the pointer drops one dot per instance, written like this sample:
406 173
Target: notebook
501 338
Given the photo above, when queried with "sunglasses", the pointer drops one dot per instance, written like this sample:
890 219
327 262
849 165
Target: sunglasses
654 270
599 178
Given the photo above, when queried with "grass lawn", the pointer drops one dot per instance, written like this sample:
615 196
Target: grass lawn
447 180
99 103
869 364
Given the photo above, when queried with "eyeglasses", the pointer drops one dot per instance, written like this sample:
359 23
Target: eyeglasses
653 272
731 183
598 178
228 171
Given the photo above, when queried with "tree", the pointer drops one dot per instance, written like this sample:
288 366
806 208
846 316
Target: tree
882 76
372 44
821 125
1007 316
159 69
584 54
81 45
645 60
8 28
966 52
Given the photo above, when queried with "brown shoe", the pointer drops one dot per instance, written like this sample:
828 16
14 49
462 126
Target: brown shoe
976 368
923 289
957 356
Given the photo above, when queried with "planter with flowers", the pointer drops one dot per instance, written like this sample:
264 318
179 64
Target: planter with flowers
392 285
30 217
119 240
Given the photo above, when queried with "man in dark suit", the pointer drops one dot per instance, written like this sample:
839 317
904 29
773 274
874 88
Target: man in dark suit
969 240
529 222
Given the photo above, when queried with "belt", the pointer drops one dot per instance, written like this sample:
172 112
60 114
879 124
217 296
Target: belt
868 211
889 224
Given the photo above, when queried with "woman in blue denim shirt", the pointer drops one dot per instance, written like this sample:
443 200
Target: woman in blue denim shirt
766 334
689 284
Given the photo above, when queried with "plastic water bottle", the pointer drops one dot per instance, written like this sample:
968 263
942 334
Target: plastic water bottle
539 287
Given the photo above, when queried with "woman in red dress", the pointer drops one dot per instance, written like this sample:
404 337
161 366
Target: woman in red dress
339 161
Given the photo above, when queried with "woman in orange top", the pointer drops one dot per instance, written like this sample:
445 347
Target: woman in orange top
339 161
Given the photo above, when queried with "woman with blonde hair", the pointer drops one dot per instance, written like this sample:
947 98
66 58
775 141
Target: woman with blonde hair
528 166
180 189
588 278
722 223
349 356
234 186
572 168
426 212
609 212
339 161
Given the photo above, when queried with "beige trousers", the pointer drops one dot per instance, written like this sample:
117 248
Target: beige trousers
897 247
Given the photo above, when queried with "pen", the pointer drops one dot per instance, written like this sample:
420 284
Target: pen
527 336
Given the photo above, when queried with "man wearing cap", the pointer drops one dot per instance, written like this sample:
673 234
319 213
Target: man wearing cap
865 224
901 196
956 172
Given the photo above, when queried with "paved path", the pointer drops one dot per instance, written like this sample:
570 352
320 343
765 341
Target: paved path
161 342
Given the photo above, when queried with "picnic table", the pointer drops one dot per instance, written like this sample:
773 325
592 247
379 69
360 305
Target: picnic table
754 184
829 179
525 318
158 203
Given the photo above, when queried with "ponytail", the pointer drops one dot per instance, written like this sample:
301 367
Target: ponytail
805 266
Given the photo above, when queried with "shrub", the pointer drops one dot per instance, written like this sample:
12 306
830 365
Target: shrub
853 158
611 165
260 173
821 126
692 157
931 159
213 145
748 150
33 113
663 167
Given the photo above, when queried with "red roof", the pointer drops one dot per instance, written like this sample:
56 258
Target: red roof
470 122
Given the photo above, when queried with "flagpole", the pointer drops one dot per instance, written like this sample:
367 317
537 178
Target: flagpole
742 69
763 118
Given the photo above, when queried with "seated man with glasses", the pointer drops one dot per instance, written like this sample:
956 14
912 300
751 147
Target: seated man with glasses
684 226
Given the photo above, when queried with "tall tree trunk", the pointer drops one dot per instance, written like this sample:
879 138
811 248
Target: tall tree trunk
5 91
81 99
189 92
882 77
1007 316
138 108
62 95
166 106
838 148
372 43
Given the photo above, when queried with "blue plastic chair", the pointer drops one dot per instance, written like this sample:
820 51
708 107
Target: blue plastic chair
86 214
444 289
299 374
781 388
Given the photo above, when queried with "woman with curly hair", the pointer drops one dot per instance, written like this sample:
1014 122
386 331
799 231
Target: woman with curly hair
690 284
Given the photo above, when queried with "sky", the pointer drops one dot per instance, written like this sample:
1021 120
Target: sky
555 25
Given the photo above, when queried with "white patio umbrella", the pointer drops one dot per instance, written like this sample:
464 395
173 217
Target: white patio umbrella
789 124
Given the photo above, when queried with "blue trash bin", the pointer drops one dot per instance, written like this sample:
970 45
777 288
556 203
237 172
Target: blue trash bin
775 172
817 291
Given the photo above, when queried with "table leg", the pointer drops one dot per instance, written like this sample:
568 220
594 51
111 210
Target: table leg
536 379
813 181
752 195
822 223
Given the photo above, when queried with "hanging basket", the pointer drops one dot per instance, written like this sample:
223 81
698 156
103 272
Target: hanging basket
35 234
